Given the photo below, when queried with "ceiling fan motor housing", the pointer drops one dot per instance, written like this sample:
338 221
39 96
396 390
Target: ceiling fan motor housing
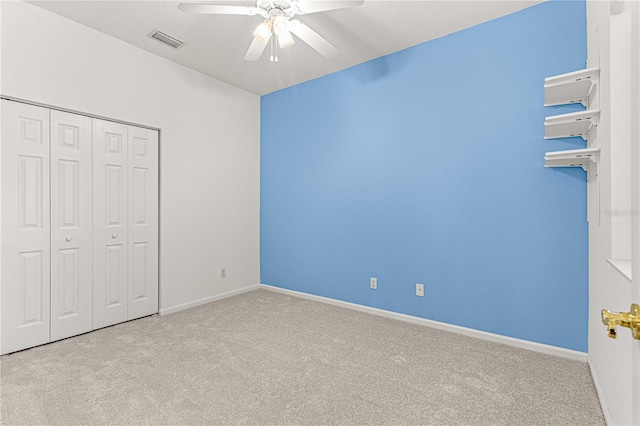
277 7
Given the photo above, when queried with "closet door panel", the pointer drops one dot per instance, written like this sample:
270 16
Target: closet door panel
25 227
143 222
110 239
71 225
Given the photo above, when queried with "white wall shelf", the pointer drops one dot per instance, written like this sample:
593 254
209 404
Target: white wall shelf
571 88
578 87
584 158
569 125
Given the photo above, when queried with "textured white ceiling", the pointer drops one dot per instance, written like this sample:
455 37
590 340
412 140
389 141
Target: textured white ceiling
216 44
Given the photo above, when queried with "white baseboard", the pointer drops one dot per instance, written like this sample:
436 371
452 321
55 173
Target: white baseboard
511 341
596 383
183 306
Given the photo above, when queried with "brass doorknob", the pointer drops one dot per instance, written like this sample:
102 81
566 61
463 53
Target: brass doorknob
630 319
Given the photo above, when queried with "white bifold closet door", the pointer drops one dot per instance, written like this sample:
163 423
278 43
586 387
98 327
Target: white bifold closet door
79 224
125 222
25 226
143 222
71 225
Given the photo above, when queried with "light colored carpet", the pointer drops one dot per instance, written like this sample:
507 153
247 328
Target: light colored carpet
267 358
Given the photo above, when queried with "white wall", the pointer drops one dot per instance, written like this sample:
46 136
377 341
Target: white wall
210 140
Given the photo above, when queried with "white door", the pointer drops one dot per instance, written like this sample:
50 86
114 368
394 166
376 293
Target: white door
25 226
71 225
634 50
143 222
110 243
614 240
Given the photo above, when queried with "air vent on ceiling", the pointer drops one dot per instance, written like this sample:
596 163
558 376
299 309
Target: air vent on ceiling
166 39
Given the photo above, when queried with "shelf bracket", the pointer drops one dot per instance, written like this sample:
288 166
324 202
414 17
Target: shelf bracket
570 125
571 88
585 158
586 166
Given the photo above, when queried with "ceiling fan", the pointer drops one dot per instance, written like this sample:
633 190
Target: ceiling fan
278 26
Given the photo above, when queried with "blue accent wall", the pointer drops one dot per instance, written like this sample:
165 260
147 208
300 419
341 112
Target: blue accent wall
426 166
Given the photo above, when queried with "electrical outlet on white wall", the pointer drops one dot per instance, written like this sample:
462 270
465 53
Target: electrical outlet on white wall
223 273
373 283
420 290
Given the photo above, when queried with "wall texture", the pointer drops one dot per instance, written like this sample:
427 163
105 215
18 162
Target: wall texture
426 166
209 140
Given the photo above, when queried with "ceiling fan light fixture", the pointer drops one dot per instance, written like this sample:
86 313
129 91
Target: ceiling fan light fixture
263 32
285 39
281 30
280 25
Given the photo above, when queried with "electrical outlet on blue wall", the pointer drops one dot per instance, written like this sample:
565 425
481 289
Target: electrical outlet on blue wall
373 283
429 162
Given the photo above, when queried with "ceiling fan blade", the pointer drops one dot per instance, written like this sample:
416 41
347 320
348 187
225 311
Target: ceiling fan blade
219 9
313 39
313 6
255 49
